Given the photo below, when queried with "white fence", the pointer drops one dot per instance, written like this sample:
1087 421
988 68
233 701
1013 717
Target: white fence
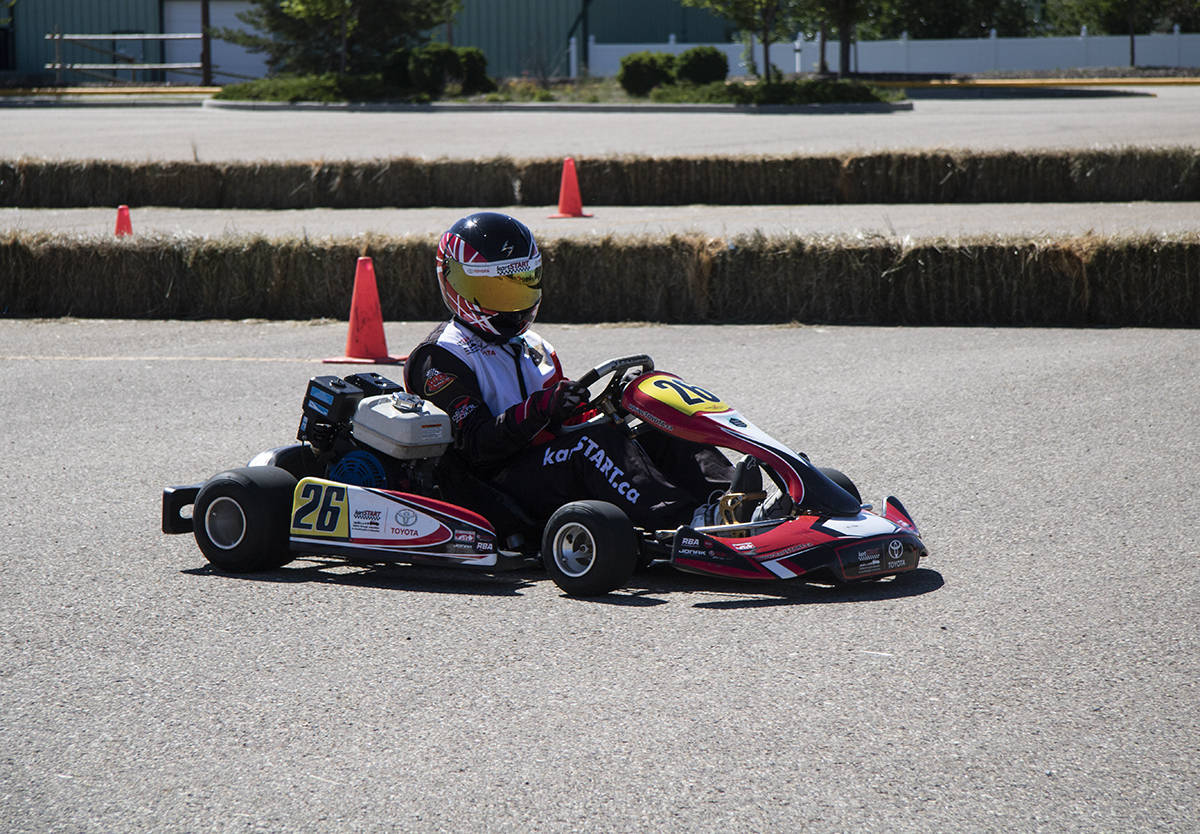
962 55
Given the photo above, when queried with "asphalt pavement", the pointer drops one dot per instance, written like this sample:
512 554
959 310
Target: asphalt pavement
1039 673
1170 116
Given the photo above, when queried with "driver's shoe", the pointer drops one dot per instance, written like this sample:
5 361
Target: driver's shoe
709 514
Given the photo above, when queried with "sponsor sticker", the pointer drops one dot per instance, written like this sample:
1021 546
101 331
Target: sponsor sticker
407 525
648 417
461 410
436 380
595 454
895 554
366 521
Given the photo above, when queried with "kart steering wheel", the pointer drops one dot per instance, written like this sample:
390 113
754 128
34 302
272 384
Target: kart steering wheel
609 398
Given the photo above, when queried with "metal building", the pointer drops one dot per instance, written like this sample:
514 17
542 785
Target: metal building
32 20
530 37
519 37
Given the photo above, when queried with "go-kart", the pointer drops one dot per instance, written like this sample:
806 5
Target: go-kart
370 480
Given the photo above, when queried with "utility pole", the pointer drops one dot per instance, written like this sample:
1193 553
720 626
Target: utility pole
206 76
586 61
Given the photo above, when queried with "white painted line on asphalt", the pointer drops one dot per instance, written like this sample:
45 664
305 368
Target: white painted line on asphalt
47 358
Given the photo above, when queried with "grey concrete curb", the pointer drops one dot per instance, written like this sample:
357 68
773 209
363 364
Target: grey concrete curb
562 106
106 101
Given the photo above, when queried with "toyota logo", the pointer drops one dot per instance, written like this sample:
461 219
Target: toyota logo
406 518
895 549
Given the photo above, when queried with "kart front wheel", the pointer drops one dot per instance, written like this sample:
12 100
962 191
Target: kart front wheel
241 517
841 480
589 548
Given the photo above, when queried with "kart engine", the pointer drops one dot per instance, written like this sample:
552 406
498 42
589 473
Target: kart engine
369 432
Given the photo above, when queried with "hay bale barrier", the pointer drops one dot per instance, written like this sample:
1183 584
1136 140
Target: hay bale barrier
1089 281
1089 175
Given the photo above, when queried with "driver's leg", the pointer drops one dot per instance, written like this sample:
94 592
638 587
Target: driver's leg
699 469
600 462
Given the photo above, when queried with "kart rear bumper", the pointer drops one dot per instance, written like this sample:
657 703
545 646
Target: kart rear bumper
174 501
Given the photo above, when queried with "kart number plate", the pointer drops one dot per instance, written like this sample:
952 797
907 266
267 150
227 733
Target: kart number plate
688 399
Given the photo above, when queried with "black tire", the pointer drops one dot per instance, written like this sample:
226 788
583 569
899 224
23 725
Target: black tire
841 480
589 548
241 518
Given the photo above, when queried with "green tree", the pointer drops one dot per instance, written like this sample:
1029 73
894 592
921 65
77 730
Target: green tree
1116 17
769 20
1120 17
938 19
318 36
5 14
922 19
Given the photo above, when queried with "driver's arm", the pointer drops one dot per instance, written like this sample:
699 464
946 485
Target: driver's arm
481 436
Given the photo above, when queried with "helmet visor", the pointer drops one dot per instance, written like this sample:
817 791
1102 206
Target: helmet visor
503 286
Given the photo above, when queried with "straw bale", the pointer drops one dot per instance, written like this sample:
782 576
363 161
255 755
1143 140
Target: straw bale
1087 281
1122 174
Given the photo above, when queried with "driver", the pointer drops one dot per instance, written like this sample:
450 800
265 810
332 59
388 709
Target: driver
504 389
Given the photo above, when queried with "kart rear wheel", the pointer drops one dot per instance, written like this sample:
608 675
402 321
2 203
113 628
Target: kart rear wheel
241 518
589 548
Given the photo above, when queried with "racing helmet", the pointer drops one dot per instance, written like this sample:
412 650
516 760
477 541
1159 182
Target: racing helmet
489 270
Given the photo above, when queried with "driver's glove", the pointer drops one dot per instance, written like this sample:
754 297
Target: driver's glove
558 403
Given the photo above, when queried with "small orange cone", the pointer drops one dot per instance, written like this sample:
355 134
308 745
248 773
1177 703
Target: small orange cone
365 343
124 225
569 202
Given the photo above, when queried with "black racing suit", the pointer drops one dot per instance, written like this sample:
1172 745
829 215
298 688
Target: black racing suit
491 391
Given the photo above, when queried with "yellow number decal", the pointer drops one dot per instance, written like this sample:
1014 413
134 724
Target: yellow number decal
319 508
679 395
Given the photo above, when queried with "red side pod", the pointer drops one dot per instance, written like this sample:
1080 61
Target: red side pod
697 552
442 508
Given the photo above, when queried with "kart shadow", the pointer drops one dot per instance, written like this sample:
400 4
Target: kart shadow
391 577
646 587
643 589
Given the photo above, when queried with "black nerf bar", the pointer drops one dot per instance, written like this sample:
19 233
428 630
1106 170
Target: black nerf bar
173 501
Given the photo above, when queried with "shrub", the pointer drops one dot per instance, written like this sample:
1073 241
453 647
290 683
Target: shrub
320 88
395 69
431 66
641 72
520 89
818 91
713 93
702 65
473 75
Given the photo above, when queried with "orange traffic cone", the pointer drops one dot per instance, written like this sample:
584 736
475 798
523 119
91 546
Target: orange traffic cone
365 343
569 203
124 225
